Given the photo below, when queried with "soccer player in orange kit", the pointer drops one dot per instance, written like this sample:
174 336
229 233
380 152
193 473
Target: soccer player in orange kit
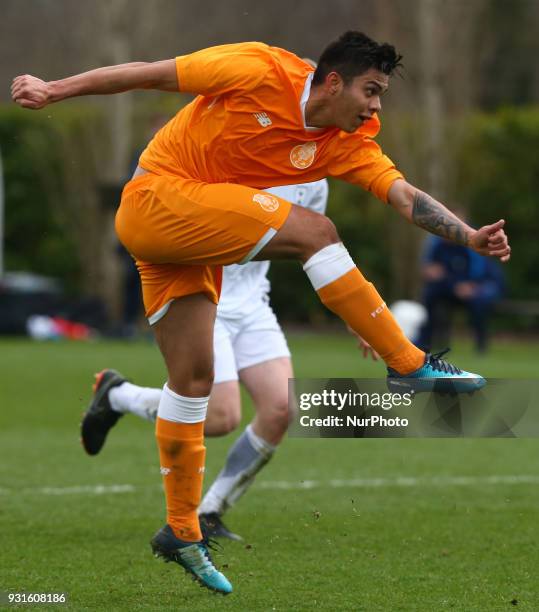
261 118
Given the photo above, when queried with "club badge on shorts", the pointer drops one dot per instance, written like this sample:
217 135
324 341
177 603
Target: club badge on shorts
266 201
302 156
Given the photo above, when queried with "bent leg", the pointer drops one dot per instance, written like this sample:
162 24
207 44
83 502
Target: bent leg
313 239
263 360
267 384
163 220
141 401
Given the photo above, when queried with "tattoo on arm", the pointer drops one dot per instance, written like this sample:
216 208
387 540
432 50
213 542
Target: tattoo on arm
435 218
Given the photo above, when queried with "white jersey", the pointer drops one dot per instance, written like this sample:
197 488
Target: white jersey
245 285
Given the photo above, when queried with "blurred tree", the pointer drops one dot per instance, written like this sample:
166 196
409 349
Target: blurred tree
114 17
499 174
438 47
51 201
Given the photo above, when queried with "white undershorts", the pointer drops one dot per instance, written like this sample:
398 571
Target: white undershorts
242 343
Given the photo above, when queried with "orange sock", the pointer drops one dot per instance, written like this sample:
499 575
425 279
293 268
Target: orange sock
182 453
358 303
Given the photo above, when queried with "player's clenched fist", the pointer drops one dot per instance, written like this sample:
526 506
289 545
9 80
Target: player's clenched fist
30 92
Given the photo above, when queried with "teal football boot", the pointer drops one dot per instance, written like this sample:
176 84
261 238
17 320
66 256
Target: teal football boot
435 375
194 557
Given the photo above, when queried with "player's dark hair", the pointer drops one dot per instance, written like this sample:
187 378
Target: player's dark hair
353 54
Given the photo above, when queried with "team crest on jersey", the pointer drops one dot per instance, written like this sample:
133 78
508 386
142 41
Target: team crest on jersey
268 202
263 119
302 156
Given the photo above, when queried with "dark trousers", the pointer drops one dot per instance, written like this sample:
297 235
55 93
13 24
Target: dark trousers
441 302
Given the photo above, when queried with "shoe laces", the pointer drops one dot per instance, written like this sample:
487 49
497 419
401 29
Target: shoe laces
437 363
212 544
198 558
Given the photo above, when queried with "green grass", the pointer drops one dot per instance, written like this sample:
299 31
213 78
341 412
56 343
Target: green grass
388 547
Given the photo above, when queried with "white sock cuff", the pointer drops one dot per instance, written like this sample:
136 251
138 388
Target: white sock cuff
328 264
180 409
259 444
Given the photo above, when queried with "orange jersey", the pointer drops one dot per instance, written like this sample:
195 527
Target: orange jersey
247 126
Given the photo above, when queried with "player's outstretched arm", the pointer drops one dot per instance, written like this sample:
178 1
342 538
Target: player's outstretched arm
30 92
424 211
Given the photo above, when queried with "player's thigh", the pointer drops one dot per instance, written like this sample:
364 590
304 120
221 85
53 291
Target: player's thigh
163 220
302 235
185 337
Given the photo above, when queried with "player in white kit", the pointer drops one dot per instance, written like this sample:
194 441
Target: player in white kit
249 346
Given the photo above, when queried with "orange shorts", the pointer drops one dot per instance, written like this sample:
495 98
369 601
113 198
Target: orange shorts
181 231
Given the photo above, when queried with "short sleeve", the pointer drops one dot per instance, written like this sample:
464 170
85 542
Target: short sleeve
359 159
219 70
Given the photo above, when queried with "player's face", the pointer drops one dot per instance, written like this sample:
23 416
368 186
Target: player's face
357 101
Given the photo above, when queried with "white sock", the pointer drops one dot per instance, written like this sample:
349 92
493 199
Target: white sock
245 459
328 264
181 409
142 401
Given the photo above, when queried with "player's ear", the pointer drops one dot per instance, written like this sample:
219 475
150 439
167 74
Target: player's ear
333 83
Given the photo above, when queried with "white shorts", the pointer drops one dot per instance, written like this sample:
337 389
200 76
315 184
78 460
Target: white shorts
241 343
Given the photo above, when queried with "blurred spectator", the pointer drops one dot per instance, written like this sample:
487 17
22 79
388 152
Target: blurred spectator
456 276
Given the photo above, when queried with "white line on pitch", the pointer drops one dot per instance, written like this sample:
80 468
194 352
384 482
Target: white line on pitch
401 481
84 489
354 483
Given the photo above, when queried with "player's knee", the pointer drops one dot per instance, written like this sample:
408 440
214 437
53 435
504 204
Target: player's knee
197 383
223 418
280 414
231 422
322 233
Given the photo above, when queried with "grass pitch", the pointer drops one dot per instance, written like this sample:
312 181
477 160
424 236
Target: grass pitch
444 524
